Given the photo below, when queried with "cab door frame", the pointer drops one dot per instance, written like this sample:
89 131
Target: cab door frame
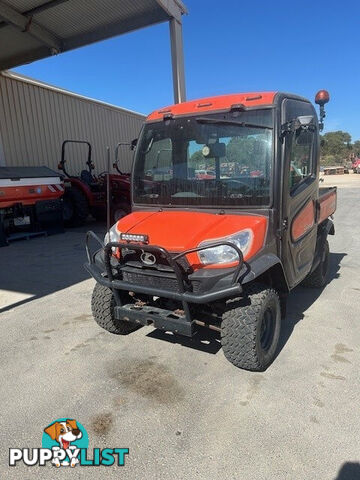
298 204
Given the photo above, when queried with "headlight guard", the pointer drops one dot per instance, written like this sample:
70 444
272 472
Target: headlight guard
225 254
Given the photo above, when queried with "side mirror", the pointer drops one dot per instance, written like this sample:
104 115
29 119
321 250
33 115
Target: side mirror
133 144
321 98
305 122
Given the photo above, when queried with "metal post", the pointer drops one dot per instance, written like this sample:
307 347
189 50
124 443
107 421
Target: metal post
108 192
177 59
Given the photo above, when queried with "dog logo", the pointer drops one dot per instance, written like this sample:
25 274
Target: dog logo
65 442
68 435
147 258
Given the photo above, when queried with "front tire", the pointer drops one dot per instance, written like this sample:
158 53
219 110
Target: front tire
102 306
76 207
250 328
120 211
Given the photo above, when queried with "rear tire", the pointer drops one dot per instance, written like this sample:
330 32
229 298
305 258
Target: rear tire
120 211
318 278
102 306
250 328
76 208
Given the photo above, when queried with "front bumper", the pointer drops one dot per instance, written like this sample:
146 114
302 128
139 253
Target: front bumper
103 273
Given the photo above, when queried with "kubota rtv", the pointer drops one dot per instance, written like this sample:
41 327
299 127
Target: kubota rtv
221 250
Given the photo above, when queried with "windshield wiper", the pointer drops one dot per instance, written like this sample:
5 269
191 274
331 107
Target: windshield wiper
224 121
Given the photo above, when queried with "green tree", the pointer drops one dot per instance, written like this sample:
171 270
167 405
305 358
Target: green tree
196 160
356 148
336 147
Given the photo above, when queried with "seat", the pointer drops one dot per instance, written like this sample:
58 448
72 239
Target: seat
86 177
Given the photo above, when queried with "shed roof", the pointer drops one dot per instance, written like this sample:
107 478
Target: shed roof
35 29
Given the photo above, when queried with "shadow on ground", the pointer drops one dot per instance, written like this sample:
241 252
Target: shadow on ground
349 471
205 340
43 265
300 299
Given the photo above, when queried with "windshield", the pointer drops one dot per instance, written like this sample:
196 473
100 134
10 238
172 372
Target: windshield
209 160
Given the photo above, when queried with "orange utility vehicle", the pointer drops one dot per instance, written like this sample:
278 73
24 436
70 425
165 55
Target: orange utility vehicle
220 252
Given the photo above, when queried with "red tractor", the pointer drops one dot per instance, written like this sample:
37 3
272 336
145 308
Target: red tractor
87 193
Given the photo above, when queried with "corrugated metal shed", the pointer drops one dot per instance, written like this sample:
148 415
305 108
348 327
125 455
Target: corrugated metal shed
34 29
35 118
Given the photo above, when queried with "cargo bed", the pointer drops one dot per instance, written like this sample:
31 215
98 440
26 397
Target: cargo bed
326 202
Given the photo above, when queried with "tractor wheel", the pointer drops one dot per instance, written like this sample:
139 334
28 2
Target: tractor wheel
102 306
76 208
120 211
99 214
250 328
318 278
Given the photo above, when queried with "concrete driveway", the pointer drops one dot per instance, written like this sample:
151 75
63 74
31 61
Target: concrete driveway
181 408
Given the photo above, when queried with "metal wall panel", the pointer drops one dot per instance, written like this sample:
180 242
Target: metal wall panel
35 119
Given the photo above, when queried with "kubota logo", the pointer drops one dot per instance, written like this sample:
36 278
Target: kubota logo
148 258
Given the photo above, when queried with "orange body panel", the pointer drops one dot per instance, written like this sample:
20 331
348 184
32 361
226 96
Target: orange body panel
221 102
29 195
304 221
183 230
327 205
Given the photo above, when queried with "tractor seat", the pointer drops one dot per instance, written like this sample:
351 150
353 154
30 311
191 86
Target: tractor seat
91 182
86 177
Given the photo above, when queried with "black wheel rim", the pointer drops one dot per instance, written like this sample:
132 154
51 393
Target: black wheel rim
267 329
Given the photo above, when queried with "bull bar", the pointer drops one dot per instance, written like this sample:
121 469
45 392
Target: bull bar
149 315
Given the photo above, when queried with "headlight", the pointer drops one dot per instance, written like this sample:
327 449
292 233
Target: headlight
113 235
224 253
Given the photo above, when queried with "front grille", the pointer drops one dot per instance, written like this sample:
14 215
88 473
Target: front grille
161 282
132 258
196 285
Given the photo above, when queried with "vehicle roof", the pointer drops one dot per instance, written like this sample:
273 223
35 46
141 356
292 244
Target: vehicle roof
221 102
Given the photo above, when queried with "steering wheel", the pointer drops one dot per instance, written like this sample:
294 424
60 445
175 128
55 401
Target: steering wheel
185 195
239 182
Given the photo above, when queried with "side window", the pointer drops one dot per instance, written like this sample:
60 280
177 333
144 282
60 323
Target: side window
301 144
301 165
158 160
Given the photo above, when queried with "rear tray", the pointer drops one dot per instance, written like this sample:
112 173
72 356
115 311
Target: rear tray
14 173
157 317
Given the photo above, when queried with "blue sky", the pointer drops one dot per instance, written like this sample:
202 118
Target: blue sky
230 46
